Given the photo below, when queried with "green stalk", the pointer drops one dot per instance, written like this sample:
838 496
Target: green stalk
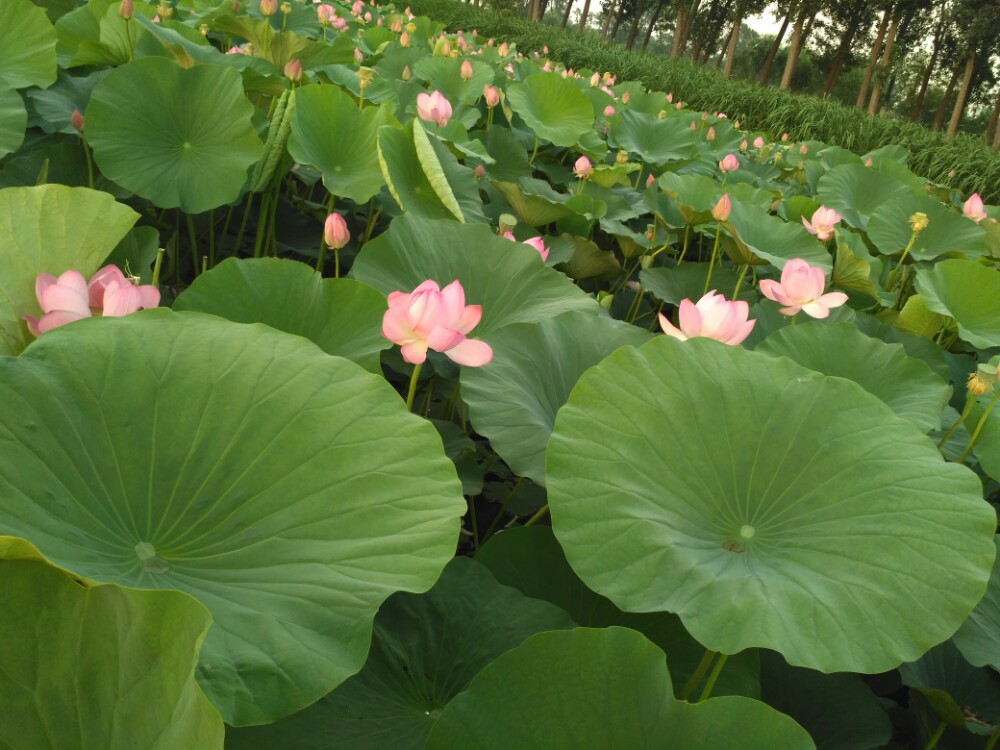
542 512
128 39
932 742
991 743
503 507
699 672
211 238
979 426
413 386
969 402
194 242
475 524
739 281
715 253
890 282
156 267
262 213
243 224
707 691
534 151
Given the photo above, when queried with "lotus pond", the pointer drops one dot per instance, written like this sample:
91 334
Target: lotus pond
367 386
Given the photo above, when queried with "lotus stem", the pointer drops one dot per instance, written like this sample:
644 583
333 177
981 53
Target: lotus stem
991 743
128 39
891 281
699 672
707 691
322 240
534 151
211 238
156 267
475 524
979 426
414 377
542 512
715 253
243 224
193 239
90 162
961 418
503 507
932 742
739 281
684 249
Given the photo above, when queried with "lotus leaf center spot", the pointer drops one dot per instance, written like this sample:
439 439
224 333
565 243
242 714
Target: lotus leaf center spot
338 168
187 146
151 563
747 532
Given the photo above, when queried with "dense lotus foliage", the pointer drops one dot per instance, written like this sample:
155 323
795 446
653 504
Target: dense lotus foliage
368 386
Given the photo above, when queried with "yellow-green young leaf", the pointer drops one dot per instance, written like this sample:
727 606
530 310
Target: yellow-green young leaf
432 168
915 318
852 273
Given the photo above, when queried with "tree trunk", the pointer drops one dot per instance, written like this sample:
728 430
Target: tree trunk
872 59
765 72
633 31
890 40
996 140
607 19
686 31
652 23
734 39
991 126
943 106
845 44
679 20
569 7
918 103
794 46
963 94
618 20
583 16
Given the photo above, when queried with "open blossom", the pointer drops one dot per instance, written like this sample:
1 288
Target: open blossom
801 288
582 168
823 222
536 242
438 319
434 107
973 208
69 297
713 317
730 163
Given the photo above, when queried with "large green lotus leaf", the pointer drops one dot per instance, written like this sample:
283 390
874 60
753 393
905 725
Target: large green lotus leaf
962 695
341 316
288 490
947 231
27 46
514 401
554 108
653 140
820 702
50 229
419 185
444 75
425 651
181 137
13 121
603 689
979 637
693 197
330 133
857 192
535 210
967 291
767 505
530 559
687 281
774 239
86 666
907 385
507 278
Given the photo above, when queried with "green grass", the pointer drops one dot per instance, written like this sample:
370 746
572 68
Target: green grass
965 163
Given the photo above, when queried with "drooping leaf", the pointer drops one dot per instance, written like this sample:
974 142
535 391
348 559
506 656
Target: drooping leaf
87 666
50 229
287 490
947 232
606 688
425 650
967 291
554 108
765 504
195 159
414 174
979 637
341 316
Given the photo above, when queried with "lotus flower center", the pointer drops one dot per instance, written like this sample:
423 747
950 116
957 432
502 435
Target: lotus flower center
747 532
150 562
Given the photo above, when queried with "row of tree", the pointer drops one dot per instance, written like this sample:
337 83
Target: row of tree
948 47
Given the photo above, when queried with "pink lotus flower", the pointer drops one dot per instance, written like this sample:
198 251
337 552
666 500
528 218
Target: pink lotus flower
268 7
758 142
710 136
609 111
325 13
438 319
434 107
723 208
491 95
650 180
712 317
335 232
293 70
823 222
973 208
594 80
730 163
465 70
801 288
69 297
536 242
582 168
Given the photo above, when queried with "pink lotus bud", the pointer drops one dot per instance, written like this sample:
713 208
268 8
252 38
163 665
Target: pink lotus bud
801 288
433 318
547 67
736 124
784 137
125 9
539 245
609 111
77 119
679 106
730 163
743 145
434 108
625 98
293 70
582 168
465 71
693 126
670 98
479 171
368 16
594 80
268 7
396 26
491 95
973 208
704 116
406 73
650 180
722 208
358 57
758 142
357 8
868 162
503 49
823 222
713 317
335 233
803 149
404 40
710 135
